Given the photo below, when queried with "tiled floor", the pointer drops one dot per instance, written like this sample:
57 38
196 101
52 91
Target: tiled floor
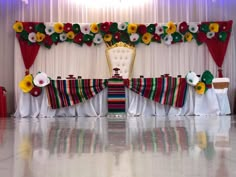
132 147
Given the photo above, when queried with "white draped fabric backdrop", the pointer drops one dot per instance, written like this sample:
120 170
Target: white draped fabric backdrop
151 61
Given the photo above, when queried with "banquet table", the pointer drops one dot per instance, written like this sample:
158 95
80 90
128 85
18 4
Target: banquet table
209 103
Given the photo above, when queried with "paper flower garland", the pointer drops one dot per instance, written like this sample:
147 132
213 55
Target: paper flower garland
200 85
26 84
112 32
41 79
34 85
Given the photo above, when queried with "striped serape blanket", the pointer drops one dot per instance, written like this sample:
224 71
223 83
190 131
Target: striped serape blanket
63 93
165 90
116 96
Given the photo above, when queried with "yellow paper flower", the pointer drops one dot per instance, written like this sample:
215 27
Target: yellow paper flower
18 27
200 88
26 84
214 27
94 28
188 36
40 37
132 28
70 35
25 149
58 27
171 28
146 38
202 140
107 37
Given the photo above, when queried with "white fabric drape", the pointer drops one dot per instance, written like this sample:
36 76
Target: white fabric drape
151 61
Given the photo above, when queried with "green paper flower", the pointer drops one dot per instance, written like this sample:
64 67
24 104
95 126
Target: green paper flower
204 28
114 27
76 28
55 37
87 38
177 37
124 37
222 36
24 35
151 28
40 28
207 77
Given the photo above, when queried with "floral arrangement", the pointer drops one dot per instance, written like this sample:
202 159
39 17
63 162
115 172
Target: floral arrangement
34 85
112 32
200 84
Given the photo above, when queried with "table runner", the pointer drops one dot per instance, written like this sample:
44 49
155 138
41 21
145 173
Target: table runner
116 96
165 90
63 93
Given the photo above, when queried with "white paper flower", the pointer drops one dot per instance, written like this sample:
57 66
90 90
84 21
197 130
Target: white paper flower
134 37
168 39
85 28
32 37
159 30
49 30
210 35
97 38
63 36
193 28
41 79
122 26
192 78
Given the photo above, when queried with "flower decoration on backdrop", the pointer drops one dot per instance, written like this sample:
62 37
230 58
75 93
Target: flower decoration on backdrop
202 84
112 32
34 85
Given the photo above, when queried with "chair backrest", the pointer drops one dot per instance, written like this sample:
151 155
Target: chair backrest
122 56
221 84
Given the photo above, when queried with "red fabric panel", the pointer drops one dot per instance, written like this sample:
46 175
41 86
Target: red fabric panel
218 48
29 53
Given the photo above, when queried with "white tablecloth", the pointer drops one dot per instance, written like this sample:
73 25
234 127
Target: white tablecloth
211 103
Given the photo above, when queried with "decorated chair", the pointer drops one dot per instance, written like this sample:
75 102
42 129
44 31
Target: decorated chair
221 86
121 56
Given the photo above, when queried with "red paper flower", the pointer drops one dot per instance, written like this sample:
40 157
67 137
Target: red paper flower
142 29
47 41
105 27
183 27
36 91
29 27
156 37
78 39
201 37
67 27
224 26
117 36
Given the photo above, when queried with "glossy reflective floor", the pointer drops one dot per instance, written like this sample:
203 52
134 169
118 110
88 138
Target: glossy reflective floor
131 147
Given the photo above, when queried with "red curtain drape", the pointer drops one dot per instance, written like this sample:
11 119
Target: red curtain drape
29 53
218 48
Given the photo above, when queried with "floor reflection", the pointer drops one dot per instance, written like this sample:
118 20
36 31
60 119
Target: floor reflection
131 147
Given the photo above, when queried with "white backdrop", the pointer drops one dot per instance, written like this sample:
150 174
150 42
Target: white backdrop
151 61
